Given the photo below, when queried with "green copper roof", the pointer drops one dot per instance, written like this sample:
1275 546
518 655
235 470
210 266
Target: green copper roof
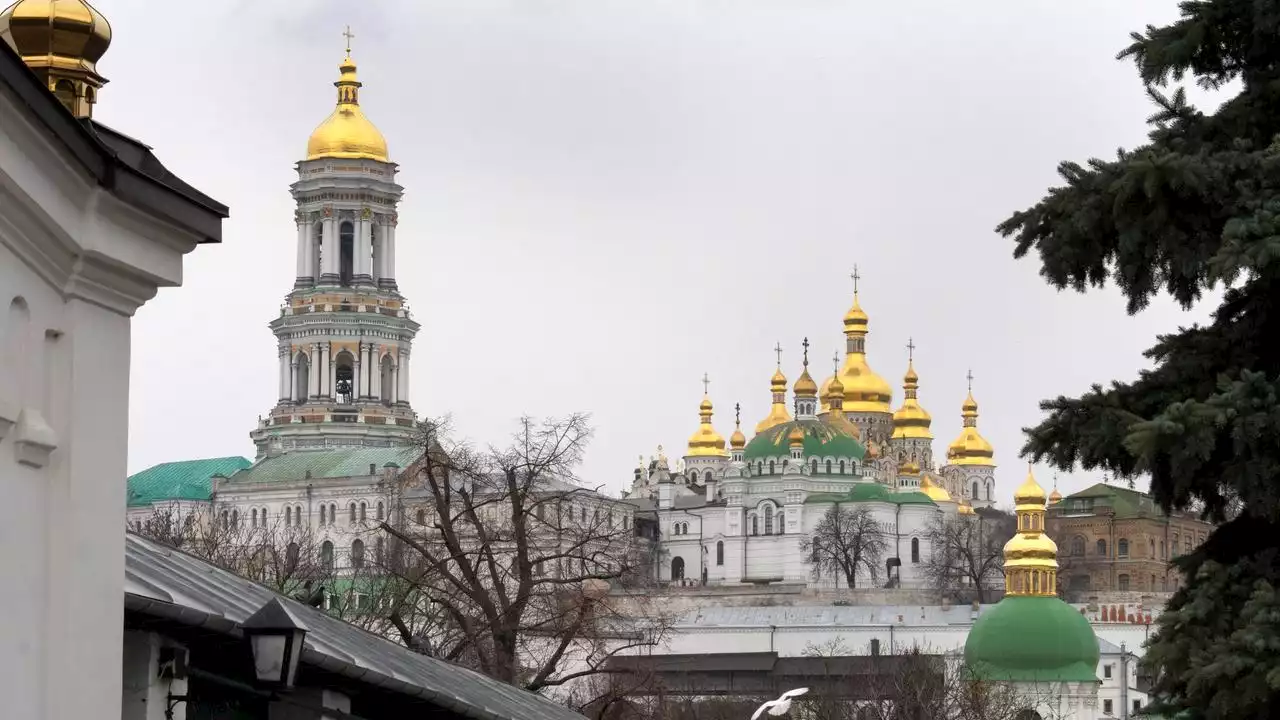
821 439
344 462
183 480
1123 501
872 492
1033 639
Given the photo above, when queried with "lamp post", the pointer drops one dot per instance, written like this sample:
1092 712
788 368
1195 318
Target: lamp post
275 637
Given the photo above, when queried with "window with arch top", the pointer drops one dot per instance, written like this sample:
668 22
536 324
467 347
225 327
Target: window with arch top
351 514
1102 548
828 467
357 553
719 552
346 252
363 510
915 550
1077 545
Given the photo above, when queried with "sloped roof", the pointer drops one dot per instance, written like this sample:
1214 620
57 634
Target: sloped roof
182 480
335 463
1124 501
872 492
164 582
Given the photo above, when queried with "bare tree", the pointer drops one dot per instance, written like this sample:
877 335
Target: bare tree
847 539
514 559
966 557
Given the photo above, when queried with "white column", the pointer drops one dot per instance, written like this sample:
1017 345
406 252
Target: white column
389 250
284 373
294 391
329 248
313 371
375 374
356 384
304 246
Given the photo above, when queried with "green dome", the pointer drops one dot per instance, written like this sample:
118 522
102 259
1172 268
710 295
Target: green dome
1033 639
821 440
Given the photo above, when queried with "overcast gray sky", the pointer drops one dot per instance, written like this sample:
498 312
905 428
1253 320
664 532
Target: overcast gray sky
605 199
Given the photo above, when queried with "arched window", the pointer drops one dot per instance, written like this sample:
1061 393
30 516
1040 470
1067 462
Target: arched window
1102 548
1027 715
915 550
346 252
297 516
291 556
719 552
388 381
1151 548
813 466
288 516
344 378
351 514
380 511
771 466
333 513
323 509
828 467
759 467
66 94
989 483
841 467
677 568
422 516
357 553
768 522
378 548
254 518
1122 548
364 507
235 518
1077 545
975 495
326 555
625 521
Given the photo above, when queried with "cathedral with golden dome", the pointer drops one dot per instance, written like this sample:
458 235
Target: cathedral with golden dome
737 510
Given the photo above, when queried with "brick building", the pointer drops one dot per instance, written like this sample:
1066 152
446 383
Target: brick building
1116 539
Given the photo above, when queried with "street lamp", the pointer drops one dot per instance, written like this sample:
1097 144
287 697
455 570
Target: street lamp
275 637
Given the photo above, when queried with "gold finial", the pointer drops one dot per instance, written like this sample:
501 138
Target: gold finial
806 352
348 35
856 277
911 350
778 350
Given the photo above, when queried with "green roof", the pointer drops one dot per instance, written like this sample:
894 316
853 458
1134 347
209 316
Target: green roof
821 439
1033 639
335 463
1124 501
872 492
182 480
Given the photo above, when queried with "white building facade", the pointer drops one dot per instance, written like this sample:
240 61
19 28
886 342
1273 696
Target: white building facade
91 225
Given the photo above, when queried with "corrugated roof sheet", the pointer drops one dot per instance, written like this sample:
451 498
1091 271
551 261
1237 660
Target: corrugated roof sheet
182 480
168 583
336 463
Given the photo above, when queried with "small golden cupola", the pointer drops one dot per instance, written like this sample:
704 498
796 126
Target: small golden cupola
936 492
1030 556
970 448
347 134
911 420
706 442
737 440
62 42
1055 497
806 390
864 390
778 413
833 402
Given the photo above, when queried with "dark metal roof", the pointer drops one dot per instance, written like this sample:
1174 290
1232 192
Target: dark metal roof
170 584
122 165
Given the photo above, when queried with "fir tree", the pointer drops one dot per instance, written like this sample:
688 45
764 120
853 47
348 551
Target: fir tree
1198 206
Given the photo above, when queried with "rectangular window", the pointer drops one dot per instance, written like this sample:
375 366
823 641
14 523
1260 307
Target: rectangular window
1106 671
1137 705
1106 707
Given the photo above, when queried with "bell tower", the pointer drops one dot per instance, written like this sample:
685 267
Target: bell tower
344 332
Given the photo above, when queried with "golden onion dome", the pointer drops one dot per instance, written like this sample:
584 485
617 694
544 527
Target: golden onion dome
1029 492
970 448
864 390
778 412
795 438
805 386
1037 548
706 442
347 134
737 440
66 33
1055 496
856 319
62 42
936 492
911 420
778 383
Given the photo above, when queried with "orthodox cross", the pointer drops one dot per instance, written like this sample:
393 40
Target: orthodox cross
778 349
347 34
855 277
737 413
835 361
969 376
706 384
806 352
911 350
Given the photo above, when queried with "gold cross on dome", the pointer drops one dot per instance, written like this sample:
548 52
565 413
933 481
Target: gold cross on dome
969 377
348 35
856 277
911 349
806 351
835 362
706 384
737 413
778 349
